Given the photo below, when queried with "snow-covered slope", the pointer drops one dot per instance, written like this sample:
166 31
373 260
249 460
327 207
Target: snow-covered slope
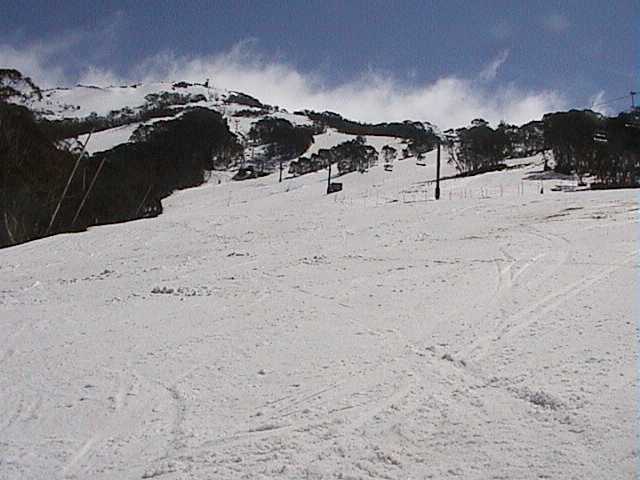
331 138
266 330
83 100
241 112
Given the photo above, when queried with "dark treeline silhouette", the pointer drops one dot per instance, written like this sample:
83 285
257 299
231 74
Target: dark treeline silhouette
583 142
281 140
165 104
481 148
478 146
247 100
420 138
124 183
33 172
350 156
13 85
589 144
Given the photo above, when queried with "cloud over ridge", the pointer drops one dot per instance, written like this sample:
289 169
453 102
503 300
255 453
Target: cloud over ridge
449 101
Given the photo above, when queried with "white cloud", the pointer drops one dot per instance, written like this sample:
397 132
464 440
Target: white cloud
596 103
556 22
48 61
97 76
34 61
490 71
450 101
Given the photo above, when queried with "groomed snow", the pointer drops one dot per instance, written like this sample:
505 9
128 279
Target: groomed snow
263 330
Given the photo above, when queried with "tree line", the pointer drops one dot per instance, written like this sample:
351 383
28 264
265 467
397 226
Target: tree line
124 183
583 142
350 156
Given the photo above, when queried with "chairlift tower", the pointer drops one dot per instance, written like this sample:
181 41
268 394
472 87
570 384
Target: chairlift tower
438 172
440 137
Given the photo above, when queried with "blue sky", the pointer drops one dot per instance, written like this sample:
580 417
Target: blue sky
444 61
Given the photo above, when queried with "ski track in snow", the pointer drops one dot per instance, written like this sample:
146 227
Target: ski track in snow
265 330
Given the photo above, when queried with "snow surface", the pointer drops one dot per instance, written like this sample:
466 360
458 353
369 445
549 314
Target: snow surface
82 100
332 137
266 330
107 139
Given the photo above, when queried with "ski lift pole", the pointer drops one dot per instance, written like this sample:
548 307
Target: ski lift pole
66 187
86 195
438 172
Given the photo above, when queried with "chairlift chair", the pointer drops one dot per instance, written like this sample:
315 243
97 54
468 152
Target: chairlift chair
600 136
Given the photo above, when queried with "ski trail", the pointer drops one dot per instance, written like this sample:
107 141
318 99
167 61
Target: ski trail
341 435
77 457
12 417
9 348
531 314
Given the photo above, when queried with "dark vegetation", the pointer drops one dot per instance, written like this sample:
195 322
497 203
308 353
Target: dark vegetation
164 157
124 183
583 143
590 144
350 156
248 112
248 172
247 101
481 148
129 181
33 172
281 139
14 86
156 106
420 138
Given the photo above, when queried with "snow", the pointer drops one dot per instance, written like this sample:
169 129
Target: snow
266 330
82 100
332 137
295 119
107 139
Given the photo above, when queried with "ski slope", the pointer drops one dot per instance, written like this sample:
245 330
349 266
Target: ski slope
265 330
83 100
332 138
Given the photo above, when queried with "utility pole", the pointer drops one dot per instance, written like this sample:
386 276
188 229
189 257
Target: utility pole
438 172
633 99
329 180
280 180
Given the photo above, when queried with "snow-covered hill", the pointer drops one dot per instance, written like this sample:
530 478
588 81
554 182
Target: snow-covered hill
240 111
266 330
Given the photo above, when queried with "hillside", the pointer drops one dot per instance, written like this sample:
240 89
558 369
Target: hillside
124 104
266 330
143 142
